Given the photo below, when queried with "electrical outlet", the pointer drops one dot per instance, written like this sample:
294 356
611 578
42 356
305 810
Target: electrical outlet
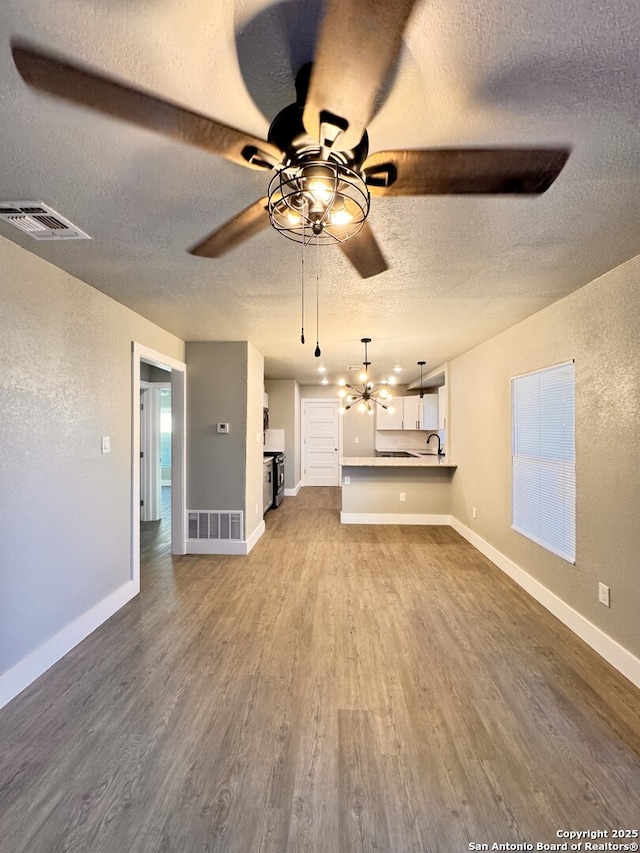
474 512
356 440
604 594
403 496
347 481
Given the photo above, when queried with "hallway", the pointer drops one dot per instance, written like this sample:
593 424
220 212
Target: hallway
341 689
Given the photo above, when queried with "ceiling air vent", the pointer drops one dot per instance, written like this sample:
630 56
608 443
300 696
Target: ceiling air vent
39 221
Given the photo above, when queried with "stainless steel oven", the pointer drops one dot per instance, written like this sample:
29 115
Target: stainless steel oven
278 475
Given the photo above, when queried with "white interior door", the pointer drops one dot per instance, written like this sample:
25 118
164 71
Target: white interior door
321 438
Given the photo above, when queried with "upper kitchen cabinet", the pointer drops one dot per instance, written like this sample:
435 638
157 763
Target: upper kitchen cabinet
442 407
411 413
390 420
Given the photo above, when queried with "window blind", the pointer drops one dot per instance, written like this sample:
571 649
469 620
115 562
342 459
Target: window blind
543 472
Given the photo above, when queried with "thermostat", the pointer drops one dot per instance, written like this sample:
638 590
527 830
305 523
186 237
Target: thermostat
222 427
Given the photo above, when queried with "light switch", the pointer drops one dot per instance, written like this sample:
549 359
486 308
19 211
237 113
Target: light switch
106 444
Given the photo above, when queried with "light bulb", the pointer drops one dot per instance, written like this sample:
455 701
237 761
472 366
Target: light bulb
391 380
342 393
362 407
342 382
340 215
362 377
369 411
391 410
319 181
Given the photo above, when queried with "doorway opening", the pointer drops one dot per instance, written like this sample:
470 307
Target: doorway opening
155 462
158 449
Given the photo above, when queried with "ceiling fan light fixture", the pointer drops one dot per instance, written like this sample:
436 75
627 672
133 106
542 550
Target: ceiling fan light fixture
318 198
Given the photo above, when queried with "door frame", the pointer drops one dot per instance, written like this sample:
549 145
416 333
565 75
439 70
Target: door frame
139 353
303 434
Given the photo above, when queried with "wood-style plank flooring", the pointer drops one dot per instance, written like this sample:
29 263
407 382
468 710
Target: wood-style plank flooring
341 689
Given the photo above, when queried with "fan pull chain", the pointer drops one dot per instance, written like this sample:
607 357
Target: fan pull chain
302 288
317 352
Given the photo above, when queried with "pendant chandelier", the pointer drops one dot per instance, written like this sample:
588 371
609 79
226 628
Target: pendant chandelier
370 394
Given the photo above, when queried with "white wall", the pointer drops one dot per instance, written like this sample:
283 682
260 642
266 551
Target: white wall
598 326
65 508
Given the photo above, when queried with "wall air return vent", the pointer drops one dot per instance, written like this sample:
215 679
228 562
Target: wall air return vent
39 221
205 524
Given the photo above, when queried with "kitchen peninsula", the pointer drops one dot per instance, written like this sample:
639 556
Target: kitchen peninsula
396 490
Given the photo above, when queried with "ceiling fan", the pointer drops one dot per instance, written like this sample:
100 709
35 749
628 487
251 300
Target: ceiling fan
317 147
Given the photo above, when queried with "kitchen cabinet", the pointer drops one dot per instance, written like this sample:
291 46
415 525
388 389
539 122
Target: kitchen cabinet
387 420
411 413
442 407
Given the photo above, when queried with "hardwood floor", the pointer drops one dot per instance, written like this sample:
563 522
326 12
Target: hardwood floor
342 688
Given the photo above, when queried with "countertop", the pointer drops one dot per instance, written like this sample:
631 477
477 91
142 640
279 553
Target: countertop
430 461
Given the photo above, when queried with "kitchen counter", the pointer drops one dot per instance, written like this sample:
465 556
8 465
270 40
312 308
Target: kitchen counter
396 489
419 461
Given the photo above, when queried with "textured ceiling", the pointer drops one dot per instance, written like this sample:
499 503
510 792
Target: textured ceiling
535 72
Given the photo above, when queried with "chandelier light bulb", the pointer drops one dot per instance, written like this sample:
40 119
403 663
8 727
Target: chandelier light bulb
363 377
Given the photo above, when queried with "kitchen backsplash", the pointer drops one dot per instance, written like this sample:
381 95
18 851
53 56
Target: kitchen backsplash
405 439
274 439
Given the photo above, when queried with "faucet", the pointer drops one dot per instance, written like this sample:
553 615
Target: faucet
440 448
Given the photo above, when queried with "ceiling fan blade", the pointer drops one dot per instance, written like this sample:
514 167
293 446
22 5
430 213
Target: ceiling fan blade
358 45
364 253
80 85
452 171
249 222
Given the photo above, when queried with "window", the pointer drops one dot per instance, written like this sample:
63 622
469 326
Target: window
543 474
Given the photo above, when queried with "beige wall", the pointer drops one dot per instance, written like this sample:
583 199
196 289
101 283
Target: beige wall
284 413
65 508
599 327
224 471
377 490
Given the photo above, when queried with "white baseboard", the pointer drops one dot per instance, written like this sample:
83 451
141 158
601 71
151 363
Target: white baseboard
225 546
392 518
608 648
15 680
291 493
